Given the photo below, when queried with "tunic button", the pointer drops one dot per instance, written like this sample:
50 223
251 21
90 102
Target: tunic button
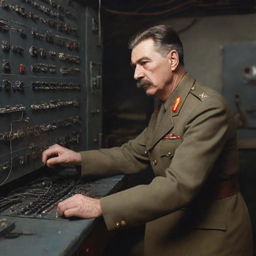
192 88
169 153
146 152
154 162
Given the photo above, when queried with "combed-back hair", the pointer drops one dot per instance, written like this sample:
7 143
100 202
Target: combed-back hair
164 37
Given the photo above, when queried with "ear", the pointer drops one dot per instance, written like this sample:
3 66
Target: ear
173 58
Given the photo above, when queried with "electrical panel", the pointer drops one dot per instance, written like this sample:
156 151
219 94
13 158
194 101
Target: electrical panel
239 65
50 81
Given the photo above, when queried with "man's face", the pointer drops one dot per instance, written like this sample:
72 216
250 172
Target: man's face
152 70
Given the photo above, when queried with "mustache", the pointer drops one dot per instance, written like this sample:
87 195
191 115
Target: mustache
143 83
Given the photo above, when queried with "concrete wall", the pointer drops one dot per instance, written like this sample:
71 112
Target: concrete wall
204 40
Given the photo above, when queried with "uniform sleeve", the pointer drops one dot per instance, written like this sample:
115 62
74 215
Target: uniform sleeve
205 135
129 158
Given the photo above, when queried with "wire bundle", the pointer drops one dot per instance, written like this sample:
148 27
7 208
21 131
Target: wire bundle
156 8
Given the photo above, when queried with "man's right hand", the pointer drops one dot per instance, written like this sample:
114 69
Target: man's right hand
57 154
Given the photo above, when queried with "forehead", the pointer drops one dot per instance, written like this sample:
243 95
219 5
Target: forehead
145 48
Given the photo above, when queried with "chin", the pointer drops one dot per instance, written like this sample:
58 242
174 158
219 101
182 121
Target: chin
150 92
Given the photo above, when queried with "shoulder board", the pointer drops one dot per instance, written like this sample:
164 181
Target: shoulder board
199 92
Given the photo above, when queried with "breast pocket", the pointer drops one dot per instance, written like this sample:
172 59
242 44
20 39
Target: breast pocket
167 147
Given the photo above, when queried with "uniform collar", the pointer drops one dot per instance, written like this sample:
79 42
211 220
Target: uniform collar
181 91
167 122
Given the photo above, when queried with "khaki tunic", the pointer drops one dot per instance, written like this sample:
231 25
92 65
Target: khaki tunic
190 149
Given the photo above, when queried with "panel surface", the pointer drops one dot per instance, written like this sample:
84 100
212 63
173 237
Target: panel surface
240 85
46 81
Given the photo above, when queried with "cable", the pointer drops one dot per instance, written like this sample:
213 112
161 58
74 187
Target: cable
158 4
11 150
99 22
191 24
147 5
11 157
194 2
147 13
178 7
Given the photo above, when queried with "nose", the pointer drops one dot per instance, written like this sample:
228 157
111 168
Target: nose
138 73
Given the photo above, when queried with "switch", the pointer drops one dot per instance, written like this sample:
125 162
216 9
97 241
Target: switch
34 68
17 50
52 53
69 45
52 68
42 52
5 46
22 69
33 51
4 25
6 66
6 6
7 85
49 38
62 56
19 86
95 111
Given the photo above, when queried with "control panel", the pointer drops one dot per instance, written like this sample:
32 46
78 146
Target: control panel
50 81
239 80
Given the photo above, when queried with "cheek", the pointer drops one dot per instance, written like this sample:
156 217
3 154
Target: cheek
163 73
161 80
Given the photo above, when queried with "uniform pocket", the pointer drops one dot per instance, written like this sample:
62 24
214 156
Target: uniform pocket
167 148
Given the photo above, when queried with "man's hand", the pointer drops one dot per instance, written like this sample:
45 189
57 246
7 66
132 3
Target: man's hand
79 206
57 154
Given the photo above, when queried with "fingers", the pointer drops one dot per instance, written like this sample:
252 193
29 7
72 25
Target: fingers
65 205
57 154
71 212
51 151
71 206
79 206
54 155
52 162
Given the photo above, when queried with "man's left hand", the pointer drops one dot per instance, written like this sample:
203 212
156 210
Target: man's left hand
79 206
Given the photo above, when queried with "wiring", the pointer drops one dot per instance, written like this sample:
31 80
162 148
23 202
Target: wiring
37 195
159 4
35 190
191 24
176 7
11 158
146 5
11 149
181 6
99 22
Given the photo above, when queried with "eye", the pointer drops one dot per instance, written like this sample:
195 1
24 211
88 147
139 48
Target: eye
144 62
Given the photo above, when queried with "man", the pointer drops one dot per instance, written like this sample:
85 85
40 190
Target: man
193 206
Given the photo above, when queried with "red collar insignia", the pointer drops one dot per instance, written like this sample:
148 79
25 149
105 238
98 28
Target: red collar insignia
176 104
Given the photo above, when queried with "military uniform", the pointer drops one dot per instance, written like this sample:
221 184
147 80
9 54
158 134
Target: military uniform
192 207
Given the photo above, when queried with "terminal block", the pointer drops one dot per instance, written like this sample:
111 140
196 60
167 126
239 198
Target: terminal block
12 109
38 130
45 86
55 104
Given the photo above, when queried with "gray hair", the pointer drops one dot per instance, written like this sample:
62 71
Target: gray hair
164 37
